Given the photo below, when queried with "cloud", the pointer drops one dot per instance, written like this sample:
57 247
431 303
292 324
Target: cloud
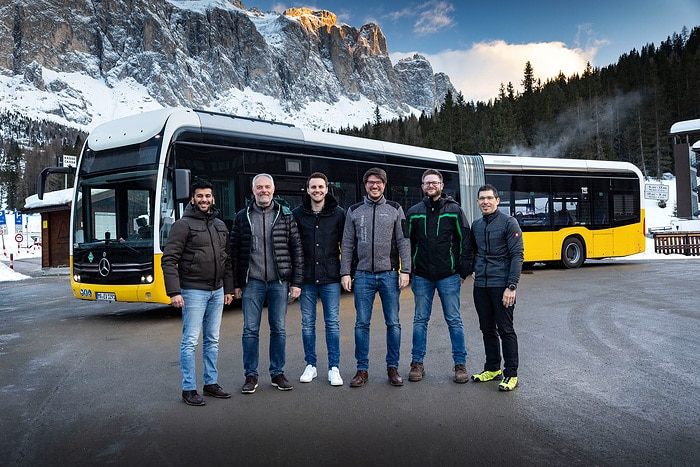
434 18
479 71
279 7
429 18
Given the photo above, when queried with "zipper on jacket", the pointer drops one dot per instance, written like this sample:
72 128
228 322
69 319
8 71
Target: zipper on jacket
213 249
374 215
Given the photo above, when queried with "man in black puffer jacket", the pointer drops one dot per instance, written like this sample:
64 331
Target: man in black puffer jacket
268 264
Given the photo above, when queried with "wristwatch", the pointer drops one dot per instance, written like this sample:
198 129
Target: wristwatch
513 286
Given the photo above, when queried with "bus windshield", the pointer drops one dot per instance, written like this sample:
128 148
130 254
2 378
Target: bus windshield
115 196
117 208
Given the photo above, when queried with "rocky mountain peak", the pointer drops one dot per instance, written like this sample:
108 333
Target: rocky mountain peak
212 54
312 20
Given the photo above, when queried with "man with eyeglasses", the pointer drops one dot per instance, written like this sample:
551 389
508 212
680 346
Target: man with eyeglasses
498 261
375 249
441 257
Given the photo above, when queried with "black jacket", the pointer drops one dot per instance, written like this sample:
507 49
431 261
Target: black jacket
321 235
196 254
498 253
287 249
440 239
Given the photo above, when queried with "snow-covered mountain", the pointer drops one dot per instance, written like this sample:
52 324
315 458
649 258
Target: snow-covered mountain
83 62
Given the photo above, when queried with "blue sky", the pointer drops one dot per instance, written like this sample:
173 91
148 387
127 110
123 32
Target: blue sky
481 44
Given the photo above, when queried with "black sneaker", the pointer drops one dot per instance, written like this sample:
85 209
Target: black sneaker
280 382
192 398
215 390
251 383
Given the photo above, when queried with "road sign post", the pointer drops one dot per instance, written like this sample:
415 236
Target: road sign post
656 191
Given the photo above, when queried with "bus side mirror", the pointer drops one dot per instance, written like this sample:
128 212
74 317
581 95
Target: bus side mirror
182 184
41 181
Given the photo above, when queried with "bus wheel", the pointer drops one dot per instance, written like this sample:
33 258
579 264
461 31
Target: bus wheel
572 253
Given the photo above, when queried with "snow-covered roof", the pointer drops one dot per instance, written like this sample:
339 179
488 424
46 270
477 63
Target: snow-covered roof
686 126
52 198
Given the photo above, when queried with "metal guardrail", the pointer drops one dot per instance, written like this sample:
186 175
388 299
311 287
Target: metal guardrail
679 243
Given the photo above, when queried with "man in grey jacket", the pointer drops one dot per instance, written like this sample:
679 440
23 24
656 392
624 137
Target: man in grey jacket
377 251
268 264
198 278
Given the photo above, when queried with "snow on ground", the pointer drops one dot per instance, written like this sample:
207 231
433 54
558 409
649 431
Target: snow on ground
656 217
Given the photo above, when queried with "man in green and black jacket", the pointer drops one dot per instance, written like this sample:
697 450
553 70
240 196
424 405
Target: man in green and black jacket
441 255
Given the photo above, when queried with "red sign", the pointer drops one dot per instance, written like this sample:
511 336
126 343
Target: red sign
19 238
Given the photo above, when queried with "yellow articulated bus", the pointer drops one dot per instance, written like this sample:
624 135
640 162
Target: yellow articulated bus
133 179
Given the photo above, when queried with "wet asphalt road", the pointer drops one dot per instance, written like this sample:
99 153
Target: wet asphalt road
607 377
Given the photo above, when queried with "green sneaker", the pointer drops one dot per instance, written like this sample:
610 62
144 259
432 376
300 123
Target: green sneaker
508 383
486 376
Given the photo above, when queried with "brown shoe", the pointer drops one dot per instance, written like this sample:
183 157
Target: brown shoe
417 371
359 379
461 375
394 377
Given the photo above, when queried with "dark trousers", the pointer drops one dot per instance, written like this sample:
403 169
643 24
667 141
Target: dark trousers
496 321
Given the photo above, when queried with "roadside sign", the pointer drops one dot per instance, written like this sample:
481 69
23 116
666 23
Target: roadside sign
18 222
19 237
3 221
70 161
656 191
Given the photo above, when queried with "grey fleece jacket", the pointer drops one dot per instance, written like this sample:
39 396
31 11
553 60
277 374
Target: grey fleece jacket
375 238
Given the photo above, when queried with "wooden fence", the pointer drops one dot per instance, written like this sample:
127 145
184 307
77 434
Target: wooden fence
679 243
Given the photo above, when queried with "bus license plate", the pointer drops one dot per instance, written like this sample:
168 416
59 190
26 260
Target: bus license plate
110 296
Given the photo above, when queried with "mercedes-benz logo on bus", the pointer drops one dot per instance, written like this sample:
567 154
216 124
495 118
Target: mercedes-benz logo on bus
104 267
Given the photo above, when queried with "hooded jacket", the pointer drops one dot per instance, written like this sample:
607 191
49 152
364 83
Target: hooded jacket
196 254
440 239
321 235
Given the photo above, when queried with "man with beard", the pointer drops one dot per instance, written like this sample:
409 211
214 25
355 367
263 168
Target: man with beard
376 250
197 270
442 255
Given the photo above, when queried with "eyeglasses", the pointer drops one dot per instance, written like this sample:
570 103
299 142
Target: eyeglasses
371 183
486 198
431 183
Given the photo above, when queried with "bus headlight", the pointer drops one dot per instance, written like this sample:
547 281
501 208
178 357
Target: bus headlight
146 279
76 277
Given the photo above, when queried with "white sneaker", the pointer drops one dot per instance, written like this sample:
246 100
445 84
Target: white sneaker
309 374
334 377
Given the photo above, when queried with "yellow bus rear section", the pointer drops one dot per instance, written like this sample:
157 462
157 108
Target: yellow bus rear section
615 241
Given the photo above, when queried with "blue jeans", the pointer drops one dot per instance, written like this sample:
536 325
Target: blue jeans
330 299
448 291
201 313
366 286
254 295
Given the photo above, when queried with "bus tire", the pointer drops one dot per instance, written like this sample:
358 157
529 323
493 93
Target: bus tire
572 253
